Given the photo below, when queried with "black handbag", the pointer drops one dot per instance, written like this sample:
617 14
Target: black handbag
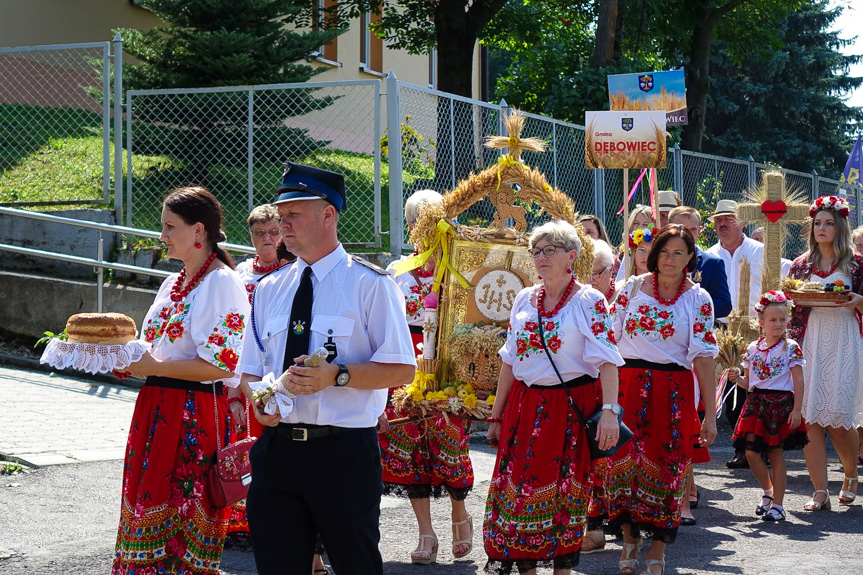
591 423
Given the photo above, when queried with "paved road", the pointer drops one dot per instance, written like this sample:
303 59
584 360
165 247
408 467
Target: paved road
63 518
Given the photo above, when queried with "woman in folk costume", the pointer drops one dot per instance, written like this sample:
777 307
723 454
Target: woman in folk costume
833 348
196 325
558 345
425 459
665 322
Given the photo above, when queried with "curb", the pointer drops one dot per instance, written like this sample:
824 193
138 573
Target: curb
8 360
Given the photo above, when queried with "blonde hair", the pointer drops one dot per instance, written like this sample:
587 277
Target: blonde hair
684 211
263 214
843 246
856 233
638 211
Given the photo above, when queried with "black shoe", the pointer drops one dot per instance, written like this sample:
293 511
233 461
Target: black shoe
687 521
693 503
737 462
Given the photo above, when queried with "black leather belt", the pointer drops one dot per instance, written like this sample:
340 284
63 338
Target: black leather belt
174 383
306 431
643 364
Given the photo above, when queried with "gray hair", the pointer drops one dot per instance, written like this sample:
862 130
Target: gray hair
417 200
556 232
602 253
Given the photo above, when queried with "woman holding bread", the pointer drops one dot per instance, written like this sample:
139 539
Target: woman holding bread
196 326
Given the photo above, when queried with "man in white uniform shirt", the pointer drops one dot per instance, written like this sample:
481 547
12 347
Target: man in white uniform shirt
317 470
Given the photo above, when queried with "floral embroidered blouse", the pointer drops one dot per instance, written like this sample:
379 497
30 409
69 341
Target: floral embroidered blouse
579 338
414 292
801 269
209 323
248 276
660 333
771 369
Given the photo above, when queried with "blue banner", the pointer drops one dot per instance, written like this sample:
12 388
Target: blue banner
854 165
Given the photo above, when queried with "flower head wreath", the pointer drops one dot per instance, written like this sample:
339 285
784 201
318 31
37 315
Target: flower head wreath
773 296
641 236
834 203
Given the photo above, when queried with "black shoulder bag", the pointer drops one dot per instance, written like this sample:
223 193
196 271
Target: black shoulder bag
591 423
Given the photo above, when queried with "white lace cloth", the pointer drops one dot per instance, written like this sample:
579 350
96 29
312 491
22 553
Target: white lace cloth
832 378
92 358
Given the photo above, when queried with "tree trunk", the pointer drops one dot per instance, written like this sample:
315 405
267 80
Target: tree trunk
606 25
617 54
698 78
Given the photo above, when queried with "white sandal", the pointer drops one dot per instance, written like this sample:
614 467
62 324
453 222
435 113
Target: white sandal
456 532
848 497
422 557
648 563
629 565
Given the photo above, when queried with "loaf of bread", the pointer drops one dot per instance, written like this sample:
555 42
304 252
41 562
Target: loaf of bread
100 328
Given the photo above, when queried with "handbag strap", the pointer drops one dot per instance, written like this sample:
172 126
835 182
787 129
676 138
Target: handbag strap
216 418
551 361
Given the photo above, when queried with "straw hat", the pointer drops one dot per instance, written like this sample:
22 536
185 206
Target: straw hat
725 208
668 200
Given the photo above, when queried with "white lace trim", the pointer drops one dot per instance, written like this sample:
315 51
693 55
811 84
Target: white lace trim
92 358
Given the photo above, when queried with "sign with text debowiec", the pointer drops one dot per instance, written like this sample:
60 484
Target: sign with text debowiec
658 91
619 140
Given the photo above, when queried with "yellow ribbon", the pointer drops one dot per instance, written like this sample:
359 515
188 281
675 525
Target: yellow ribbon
443 229
505 161
423 380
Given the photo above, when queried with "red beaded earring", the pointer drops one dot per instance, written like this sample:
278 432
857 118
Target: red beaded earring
197 245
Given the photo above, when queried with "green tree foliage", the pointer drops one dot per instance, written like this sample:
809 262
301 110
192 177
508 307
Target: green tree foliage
221 43
786 106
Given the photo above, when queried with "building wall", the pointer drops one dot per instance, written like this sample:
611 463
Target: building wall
40 22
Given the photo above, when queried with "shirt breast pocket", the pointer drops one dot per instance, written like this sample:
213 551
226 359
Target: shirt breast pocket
331 330
273 336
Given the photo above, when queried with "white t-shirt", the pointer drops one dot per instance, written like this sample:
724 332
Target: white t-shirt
362 311
661 333
771 369
209 323
579 338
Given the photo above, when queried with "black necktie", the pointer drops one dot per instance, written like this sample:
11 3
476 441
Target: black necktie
301 321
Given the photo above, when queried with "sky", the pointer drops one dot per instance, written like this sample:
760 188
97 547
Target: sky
850 25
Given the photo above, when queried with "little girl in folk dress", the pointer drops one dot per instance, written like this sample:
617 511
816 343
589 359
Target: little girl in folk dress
771 420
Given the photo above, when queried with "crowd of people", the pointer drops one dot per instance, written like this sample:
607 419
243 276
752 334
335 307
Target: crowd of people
634 351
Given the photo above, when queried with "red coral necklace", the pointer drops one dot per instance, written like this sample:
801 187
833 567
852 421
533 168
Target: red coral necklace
820 274
178 294
540 300
664 301
765 351
259 269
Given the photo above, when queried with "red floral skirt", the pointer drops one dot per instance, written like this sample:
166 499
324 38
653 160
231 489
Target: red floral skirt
765 415
700 453
424 459
646 477
167 523
538 498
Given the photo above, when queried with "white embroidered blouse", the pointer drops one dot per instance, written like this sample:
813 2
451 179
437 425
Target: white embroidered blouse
771 369
660 333
579 338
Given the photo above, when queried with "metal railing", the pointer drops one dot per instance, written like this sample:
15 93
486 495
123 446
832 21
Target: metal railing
99 263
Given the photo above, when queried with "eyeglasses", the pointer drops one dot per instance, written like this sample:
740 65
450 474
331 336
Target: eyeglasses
548 251
599 273
260 234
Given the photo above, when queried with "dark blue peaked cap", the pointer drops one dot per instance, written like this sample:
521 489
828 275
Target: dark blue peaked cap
306 183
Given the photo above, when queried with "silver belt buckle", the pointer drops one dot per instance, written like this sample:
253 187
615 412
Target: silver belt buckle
299 434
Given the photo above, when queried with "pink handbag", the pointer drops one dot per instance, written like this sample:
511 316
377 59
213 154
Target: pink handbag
231 473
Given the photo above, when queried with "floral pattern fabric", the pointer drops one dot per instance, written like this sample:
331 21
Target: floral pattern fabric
771 369
675 333
415 289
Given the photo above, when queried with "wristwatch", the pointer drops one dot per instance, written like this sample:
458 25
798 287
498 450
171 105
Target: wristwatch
343 377
614 407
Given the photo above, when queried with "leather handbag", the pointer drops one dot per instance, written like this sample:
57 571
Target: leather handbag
590 424
231 473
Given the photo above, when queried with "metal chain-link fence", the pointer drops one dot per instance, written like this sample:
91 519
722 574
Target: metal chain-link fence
55 124
234 141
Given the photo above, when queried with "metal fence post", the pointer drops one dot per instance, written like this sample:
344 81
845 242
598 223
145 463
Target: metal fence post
100 274
599 193
394 159
118 129
816 185
750 173
678 174
501 120
251 149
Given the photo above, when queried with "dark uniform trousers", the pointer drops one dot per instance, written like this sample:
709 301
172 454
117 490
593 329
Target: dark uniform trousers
327 485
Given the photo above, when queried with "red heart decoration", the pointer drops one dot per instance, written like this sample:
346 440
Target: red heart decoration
773 211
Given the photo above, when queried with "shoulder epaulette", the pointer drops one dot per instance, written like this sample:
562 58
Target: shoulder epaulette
377 269
286 266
